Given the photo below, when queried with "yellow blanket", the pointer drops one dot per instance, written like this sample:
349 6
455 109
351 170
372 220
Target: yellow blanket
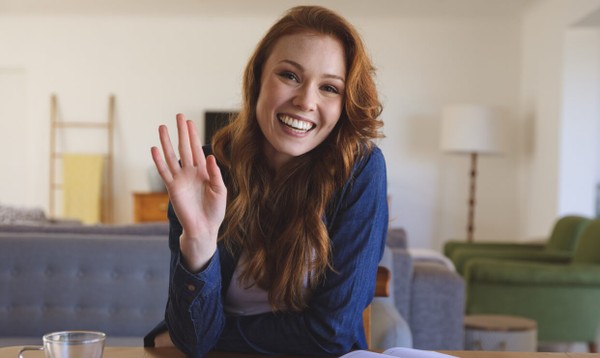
82 187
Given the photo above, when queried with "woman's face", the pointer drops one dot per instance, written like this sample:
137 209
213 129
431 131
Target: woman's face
301 94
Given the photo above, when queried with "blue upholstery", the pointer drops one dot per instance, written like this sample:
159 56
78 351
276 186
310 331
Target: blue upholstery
49 281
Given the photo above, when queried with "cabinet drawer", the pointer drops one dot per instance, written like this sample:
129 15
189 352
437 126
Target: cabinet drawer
150 206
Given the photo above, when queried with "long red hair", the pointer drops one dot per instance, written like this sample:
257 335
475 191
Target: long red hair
277 218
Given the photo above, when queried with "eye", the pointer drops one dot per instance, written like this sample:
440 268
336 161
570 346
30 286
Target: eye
330 89
289 75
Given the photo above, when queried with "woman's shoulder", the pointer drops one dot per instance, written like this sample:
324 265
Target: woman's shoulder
371 160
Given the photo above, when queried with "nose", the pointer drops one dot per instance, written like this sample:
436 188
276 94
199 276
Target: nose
305 98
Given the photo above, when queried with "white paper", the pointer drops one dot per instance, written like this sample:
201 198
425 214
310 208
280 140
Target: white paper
415 353
397 352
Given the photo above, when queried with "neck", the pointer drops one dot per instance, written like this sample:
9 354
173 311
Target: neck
275 160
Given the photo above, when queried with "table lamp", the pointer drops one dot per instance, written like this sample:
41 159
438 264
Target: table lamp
471 129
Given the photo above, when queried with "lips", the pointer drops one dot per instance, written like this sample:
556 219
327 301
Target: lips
297 125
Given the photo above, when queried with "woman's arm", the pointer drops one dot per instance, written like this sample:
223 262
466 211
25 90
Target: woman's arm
198 196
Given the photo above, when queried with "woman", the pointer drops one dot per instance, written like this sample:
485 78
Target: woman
277 228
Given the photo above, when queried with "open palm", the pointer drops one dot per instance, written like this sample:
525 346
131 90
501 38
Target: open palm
196 191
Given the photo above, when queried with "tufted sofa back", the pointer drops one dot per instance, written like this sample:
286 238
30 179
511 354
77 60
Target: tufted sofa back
115 283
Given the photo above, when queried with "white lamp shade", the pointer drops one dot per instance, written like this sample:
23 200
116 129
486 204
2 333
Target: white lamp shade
468 128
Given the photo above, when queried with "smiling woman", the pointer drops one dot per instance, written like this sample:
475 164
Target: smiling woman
278 226
301 95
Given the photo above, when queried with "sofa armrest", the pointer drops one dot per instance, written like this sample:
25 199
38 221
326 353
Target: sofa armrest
437 307
400 264
431 256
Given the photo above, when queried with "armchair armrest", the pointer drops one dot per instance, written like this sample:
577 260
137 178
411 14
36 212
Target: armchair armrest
461 257
532 273
451 246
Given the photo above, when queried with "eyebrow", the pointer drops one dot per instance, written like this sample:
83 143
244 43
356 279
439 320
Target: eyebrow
301 68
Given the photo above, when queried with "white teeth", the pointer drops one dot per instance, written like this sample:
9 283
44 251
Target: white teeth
295 123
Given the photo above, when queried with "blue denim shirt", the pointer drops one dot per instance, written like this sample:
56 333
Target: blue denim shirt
331 325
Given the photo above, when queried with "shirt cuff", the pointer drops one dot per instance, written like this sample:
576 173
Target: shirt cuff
189 286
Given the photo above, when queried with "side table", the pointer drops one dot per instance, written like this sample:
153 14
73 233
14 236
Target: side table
500 333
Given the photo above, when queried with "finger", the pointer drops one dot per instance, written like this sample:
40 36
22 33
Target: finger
167 147
214 174
161 166
197 152
184 141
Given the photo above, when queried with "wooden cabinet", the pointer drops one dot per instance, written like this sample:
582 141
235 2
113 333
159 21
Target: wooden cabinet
149 207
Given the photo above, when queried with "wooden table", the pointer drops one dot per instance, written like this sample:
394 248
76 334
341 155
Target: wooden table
109 352
140 352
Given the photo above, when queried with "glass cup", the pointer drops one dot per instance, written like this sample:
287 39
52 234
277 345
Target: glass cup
70 344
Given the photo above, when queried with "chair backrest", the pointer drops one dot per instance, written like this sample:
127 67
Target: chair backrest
565 234
588 248
382 289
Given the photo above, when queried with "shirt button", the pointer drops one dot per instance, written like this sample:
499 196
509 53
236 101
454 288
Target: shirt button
191 287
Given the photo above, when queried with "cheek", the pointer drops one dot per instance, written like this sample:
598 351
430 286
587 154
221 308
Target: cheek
267 98
333 115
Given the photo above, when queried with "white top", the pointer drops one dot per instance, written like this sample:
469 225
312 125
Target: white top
247 299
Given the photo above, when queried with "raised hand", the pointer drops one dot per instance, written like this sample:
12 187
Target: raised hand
196 190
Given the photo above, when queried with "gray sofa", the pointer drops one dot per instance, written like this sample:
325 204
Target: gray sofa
428 295
62 277
114 279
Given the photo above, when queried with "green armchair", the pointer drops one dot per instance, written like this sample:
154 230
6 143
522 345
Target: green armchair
564 299
559 247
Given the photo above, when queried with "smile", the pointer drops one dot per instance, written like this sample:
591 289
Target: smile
296 125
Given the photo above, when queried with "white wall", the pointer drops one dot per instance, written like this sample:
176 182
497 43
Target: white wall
579 157
555 171
163 64
429 63
583 50
14 128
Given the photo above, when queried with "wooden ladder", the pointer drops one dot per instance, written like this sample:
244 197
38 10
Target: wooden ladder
56 126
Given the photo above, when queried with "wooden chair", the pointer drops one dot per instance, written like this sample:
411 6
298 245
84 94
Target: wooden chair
382 289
